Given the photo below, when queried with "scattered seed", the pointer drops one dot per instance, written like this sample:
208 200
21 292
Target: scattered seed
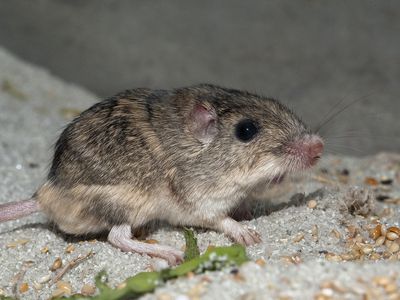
151 241
64 286
336 233
392 236
314 232
394 229
352 230
45 250
374 256
57 293
298 237
394 247
44 279
261 262
24 287
56 264
376 232
333 285
383 230
371 181
391 288
347 256
333 257
312 204
17 243
367 249
394 296
381 280
70 248
38 286
379 241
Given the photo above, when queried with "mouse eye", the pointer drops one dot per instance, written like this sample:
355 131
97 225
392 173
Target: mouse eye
246 130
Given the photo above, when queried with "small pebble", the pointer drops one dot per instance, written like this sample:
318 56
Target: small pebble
312 204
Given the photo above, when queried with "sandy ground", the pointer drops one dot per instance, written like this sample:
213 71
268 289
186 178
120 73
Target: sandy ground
321 252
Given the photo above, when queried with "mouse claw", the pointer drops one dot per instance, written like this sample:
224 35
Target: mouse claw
172 256
239 233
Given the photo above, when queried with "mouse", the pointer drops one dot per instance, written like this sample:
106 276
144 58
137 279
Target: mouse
188 156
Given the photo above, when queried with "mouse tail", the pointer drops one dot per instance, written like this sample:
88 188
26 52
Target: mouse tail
15 210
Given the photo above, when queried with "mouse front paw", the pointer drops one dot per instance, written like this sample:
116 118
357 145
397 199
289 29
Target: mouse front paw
239 233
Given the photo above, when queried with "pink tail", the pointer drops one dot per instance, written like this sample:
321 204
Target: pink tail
16 210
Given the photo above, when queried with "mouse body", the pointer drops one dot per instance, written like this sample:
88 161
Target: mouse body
187 156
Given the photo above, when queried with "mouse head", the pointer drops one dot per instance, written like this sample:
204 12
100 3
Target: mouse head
250 135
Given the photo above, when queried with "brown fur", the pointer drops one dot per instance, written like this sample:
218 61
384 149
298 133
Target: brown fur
134 158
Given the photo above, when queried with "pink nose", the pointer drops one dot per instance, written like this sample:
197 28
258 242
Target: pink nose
307 149
313 148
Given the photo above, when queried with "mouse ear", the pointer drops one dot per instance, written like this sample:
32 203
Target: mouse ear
203 122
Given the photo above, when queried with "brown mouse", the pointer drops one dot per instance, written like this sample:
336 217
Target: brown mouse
188 156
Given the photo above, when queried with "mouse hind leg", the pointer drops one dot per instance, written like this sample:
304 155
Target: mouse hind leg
121 237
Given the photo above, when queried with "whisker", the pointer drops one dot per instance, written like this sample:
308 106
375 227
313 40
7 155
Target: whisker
343 109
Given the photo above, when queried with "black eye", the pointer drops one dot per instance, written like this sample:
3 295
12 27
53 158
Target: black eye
246 130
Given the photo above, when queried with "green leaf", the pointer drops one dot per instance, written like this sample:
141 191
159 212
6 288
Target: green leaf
213 259
192 250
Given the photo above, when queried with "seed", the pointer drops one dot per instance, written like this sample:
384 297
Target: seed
392 236
376 232
151 241
371 181
379 241
383 230
45 250
17 243
261 262
394 229
352 230
347 256
312 204
381 280
391 288
64 286
374 256
37 286
394 247
44 279
336 233
333 257
24 287
70 248
314 232
367 249
394 296
56 264
298 237
57 293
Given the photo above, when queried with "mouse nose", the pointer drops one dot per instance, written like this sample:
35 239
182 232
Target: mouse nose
308 149
313 147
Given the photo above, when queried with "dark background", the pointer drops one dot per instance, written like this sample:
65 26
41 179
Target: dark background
310 54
